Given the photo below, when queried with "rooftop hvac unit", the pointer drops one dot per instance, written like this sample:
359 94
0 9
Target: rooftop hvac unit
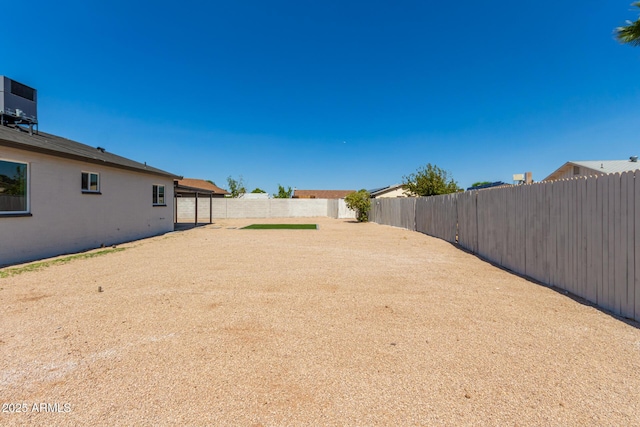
18 102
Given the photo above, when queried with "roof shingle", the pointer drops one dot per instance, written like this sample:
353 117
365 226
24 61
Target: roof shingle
201 184
45 143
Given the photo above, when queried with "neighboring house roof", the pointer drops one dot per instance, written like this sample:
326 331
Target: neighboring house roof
382 190
44 143
598 166
193 184
490 185
321 194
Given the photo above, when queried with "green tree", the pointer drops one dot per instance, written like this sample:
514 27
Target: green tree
630 34
429 180
282 193
236 187
359 201
258 190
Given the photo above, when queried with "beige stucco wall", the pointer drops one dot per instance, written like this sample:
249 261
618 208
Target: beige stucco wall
566 172
64 220
398 192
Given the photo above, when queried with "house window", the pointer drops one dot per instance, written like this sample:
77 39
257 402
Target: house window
14 187
158 195
90 182
576 170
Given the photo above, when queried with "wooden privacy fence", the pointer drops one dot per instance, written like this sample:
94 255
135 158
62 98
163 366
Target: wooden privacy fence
581 235
398 212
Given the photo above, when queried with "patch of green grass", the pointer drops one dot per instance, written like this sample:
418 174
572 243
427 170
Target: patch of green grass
36 266
281 227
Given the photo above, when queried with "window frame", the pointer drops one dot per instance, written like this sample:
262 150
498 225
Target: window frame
27 196
88 190
155 199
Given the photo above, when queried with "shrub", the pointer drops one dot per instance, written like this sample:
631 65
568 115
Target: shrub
359 201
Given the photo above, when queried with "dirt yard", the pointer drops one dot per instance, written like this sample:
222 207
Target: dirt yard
349 325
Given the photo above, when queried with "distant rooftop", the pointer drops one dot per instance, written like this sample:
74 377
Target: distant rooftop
609 166
489 185
376 191
597 166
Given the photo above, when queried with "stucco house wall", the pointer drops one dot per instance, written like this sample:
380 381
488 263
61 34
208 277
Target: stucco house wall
398 192
572 171
391 191
63 219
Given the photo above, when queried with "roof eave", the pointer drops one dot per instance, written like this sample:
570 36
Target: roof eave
196 189
55 153
555 172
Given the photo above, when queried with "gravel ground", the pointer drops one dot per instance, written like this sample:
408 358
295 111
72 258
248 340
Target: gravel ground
351 324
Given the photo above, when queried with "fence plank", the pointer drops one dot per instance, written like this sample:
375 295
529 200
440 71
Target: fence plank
593 241
481 212
474 220
598 239
497 220
621 246
563 230
583 209
501 233
631 246
543 231
572 235
509 230
554 221
571 240
611 247
617 258
578 260
486 240
560 265
548 247
521 225
603 194
636 254
530 231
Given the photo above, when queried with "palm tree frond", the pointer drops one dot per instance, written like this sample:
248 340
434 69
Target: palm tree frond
629 34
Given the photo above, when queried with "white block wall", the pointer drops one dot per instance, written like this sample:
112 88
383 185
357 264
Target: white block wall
270 208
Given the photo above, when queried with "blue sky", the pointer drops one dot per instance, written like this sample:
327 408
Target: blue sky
333 94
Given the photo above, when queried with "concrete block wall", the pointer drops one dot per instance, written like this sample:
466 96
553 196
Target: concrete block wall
255 208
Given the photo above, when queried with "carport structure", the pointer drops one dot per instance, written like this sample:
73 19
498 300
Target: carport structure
196 188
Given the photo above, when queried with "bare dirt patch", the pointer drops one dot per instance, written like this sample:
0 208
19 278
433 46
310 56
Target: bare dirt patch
353 324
